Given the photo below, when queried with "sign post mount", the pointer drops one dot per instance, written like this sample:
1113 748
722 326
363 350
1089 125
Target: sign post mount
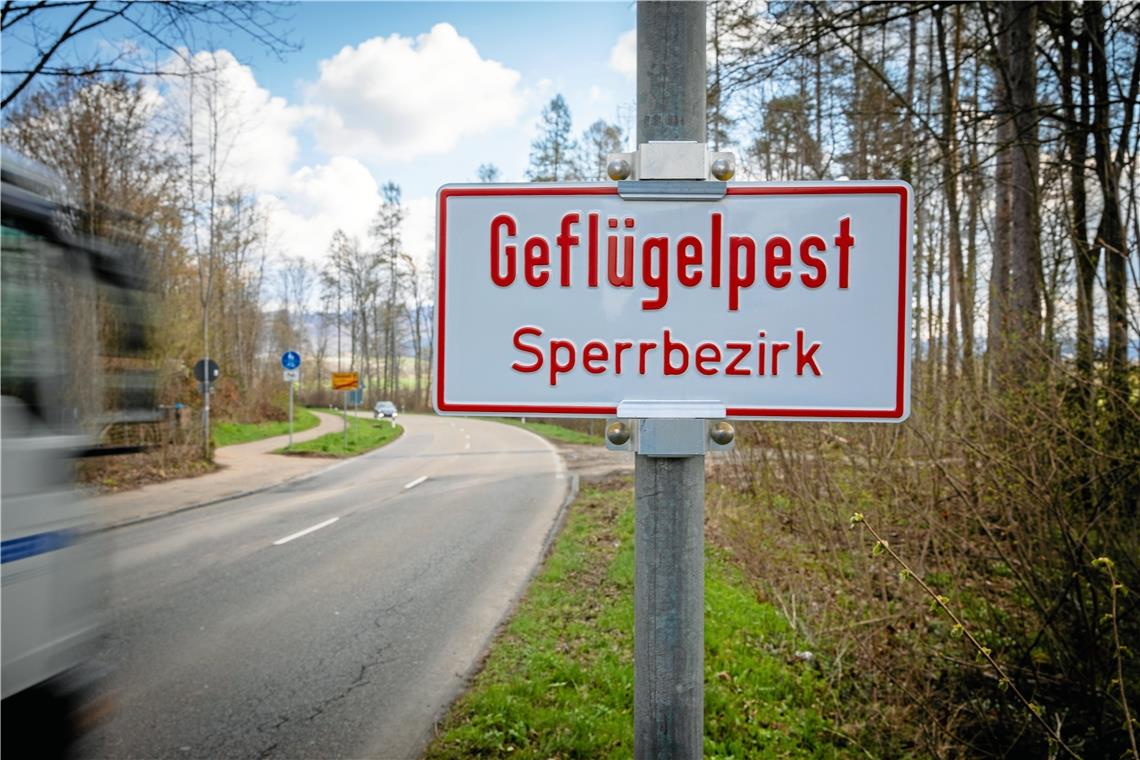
345 382
672 303
291 362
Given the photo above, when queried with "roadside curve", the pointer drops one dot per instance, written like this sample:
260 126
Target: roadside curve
334 616
245 469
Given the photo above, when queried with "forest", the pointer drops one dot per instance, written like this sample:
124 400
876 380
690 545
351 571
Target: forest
968 572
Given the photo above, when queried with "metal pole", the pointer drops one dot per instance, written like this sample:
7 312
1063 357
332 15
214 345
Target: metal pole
290 414
669 643
670 71
345 394
206 412
206 384
669 537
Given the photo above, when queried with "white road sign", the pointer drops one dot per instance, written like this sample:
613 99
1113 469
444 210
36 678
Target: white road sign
778 301
291 375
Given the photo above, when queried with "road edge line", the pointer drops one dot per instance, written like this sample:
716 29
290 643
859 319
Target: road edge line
477 664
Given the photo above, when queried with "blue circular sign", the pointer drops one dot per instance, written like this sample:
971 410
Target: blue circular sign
290 360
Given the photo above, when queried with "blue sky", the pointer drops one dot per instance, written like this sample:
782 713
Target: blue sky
416 93
555 47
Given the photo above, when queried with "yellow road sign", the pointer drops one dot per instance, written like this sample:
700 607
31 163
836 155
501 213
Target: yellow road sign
345 381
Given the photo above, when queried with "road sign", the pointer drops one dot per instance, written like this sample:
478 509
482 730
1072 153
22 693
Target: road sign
777 301
291 375
201 370
290 360
356 397
345 381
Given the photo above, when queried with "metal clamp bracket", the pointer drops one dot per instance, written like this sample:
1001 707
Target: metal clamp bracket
659 171
687 161
671 190
669 437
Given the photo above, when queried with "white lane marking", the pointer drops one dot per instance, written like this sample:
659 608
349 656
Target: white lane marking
300 533
415 482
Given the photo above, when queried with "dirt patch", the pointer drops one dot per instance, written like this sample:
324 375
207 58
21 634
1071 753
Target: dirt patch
130 471
594 464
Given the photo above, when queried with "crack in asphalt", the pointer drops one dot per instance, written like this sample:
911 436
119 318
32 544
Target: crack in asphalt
376 659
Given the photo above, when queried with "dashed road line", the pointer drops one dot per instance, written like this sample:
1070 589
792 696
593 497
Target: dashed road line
300 533
415 482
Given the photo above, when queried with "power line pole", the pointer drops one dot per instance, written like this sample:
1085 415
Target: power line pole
669 544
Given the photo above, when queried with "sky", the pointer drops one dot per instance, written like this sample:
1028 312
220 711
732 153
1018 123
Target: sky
419 94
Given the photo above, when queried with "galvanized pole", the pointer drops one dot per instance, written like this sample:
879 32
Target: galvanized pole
290 414
669 544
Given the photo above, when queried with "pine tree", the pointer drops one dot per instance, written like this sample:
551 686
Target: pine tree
553 153
598 141
488 173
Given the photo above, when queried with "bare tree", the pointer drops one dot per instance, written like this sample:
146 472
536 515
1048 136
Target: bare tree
296 280
1111 236
416 313
53 31
389 249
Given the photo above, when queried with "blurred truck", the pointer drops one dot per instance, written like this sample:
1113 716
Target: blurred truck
72 333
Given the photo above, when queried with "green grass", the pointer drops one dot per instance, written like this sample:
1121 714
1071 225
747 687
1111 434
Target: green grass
554 432
558 681
363 435
229 433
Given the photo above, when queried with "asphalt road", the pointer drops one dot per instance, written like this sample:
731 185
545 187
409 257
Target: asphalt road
232 632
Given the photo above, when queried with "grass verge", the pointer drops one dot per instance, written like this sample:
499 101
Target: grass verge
554 432
229 433
558 681
363 435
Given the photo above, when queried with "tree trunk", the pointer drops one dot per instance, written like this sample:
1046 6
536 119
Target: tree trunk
951 161
1076 140
907 172
1110 235
1025 249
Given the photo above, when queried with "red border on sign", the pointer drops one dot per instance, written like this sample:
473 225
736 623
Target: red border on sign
853 188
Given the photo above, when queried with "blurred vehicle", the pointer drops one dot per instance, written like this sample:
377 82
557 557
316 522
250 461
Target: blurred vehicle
73 310
385 410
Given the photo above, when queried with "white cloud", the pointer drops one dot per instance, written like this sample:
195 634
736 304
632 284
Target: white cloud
623 55
399 98
419 229
258 142
316 201
341 194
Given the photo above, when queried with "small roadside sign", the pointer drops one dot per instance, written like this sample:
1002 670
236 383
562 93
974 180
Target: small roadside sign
206 371
292 375
290 360
777 301
345 381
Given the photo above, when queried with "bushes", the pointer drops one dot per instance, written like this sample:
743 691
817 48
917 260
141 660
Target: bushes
1004 505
